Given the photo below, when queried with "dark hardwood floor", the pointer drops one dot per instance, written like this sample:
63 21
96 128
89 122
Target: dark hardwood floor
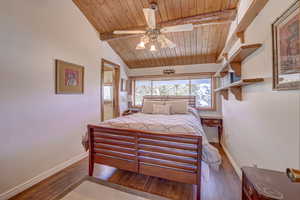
221 185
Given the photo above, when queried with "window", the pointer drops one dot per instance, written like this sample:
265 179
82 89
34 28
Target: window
142 88
170 87
200 87
107 90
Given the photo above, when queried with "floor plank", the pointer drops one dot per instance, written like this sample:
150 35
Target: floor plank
223 184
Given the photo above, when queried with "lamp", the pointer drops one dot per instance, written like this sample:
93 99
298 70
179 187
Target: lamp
293 174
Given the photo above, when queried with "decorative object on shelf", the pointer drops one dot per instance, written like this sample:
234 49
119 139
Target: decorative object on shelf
293 174
69 78
168 71
286 50
154 36
234 78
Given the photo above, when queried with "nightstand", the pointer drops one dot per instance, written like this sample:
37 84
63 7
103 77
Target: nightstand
262 184
131 111
214 121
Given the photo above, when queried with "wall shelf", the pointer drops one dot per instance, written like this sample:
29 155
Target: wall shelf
238 57
235 62
236 88
242 24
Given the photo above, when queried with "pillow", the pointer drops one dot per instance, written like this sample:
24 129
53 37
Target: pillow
194 112
178 107
148 106
161 109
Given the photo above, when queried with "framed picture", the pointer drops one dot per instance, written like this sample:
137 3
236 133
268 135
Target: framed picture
286 50
69 78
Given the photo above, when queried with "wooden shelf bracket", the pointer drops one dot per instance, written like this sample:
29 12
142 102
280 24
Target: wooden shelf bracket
224 93
237 92
236 88
241 36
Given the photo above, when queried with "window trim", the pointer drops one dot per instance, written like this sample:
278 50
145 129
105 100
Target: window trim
180 77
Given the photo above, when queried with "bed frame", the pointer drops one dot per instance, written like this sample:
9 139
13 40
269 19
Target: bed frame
175 157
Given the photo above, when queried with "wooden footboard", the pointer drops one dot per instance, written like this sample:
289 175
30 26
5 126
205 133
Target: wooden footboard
175 157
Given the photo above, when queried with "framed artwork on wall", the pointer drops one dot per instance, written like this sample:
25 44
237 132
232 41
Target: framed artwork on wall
69 78
286 50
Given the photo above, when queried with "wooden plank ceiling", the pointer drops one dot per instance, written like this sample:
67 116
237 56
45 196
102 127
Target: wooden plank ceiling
202 45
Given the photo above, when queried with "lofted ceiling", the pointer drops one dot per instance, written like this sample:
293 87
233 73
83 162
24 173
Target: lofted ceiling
211 19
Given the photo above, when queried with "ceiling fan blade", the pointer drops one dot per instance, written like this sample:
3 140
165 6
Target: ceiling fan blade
177 28
150 17
129 32
165 42
169 43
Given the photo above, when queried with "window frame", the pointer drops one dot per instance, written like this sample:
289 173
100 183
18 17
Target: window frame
178 77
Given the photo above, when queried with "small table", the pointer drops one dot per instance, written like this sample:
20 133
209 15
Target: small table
214 121
262 184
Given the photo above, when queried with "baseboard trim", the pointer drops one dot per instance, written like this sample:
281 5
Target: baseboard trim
20 188
235 166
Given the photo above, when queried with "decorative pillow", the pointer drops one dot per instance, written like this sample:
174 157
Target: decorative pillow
178 107
161 109
148 106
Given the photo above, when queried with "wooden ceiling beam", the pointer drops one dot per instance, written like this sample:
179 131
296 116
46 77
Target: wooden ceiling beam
218 17
173 61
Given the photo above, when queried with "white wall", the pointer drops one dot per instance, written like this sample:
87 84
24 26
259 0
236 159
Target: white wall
40 130
263 129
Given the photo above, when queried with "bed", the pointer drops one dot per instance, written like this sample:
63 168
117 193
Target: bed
165 146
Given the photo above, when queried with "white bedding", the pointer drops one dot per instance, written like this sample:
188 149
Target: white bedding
179 123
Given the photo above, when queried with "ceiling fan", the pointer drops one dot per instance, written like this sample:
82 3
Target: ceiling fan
153 34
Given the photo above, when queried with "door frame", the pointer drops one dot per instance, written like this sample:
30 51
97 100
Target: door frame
115 85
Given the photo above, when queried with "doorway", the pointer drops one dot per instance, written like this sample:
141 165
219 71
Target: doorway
110 82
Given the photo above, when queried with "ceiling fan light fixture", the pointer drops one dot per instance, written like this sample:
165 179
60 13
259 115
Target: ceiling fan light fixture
153 34
140 45
153 48
145 39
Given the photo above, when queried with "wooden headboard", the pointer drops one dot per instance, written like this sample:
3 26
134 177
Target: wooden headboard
190 99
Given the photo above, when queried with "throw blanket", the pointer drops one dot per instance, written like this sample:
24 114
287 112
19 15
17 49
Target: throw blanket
183 123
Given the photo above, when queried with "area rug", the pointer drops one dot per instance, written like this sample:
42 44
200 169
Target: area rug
96 189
